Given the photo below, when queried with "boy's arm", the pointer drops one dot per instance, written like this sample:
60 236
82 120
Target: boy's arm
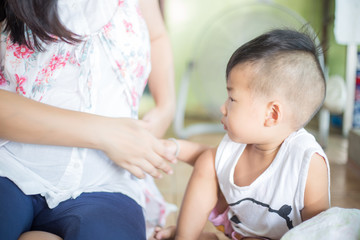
189 151
316 197
200 197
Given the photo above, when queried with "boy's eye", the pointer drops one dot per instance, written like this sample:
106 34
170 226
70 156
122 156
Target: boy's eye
231 99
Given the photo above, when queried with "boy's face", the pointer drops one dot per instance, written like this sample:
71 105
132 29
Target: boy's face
243 112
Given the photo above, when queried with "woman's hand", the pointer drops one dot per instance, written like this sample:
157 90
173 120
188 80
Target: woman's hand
131 146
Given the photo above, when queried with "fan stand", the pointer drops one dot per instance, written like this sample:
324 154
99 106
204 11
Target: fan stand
194 129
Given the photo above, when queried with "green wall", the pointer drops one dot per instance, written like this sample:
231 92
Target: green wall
187 19
312 11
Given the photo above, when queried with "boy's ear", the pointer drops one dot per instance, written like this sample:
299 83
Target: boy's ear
273 114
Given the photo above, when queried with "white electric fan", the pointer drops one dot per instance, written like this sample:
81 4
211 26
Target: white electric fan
205 73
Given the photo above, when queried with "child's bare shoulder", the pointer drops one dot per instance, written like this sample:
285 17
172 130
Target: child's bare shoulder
316 197
206 161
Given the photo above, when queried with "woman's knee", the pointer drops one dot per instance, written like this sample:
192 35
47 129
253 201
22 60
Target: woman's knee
39 235
115 217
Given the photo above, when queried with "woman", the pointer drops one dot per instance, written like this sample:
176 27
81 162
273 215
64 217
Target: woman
71 76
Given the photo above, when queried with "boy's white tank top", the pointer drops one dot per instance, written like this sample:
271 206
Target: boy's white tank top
270 205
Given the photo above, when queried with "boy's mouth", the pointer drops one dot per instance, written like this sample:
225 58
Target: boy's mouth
222 122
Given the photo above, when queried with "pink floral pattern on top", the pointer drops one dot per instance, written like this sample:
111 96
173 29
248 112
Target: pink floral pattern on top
128 27
107 28
20 52
20 84
58 61
44 77
3 81
120 3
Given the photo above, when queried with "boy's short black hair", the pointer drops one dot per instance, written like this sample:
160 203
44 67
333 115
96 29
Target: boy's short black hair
287 63
274 42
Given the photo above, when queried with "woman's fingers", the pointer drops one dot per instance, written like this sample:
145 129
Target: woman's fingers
166 149
158 160
134 170
141 166
135 149
146 160
158 154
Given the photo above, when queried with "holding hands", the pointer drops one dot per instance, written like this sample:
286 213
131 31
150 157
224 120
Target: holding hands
131 146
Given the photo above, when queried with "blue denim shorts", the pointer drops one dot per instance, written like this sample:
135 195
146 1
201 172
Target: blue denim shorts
98 215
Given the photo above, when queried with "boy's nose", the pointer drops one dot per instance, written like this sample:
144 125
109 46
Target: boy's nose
223 108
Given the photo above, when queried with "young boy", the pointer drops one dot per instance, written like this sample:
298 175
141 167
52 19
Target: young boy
268 174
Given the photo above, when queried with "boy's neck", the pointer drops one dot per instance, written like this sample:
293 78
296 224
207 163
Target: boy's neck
265 149
265 152
272 146
254 160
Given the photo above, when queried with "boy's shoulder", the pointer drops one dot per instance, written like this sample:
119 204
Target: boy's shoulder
302 145
301 139
206 162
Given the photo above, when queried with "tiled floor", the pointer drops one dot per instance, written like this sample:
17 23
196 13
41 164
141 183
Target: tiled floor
345 176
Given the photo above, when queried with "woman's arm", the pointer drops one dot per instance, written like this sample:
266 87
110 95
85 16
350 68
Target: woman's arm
316 197
161 79
200 198
25 120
